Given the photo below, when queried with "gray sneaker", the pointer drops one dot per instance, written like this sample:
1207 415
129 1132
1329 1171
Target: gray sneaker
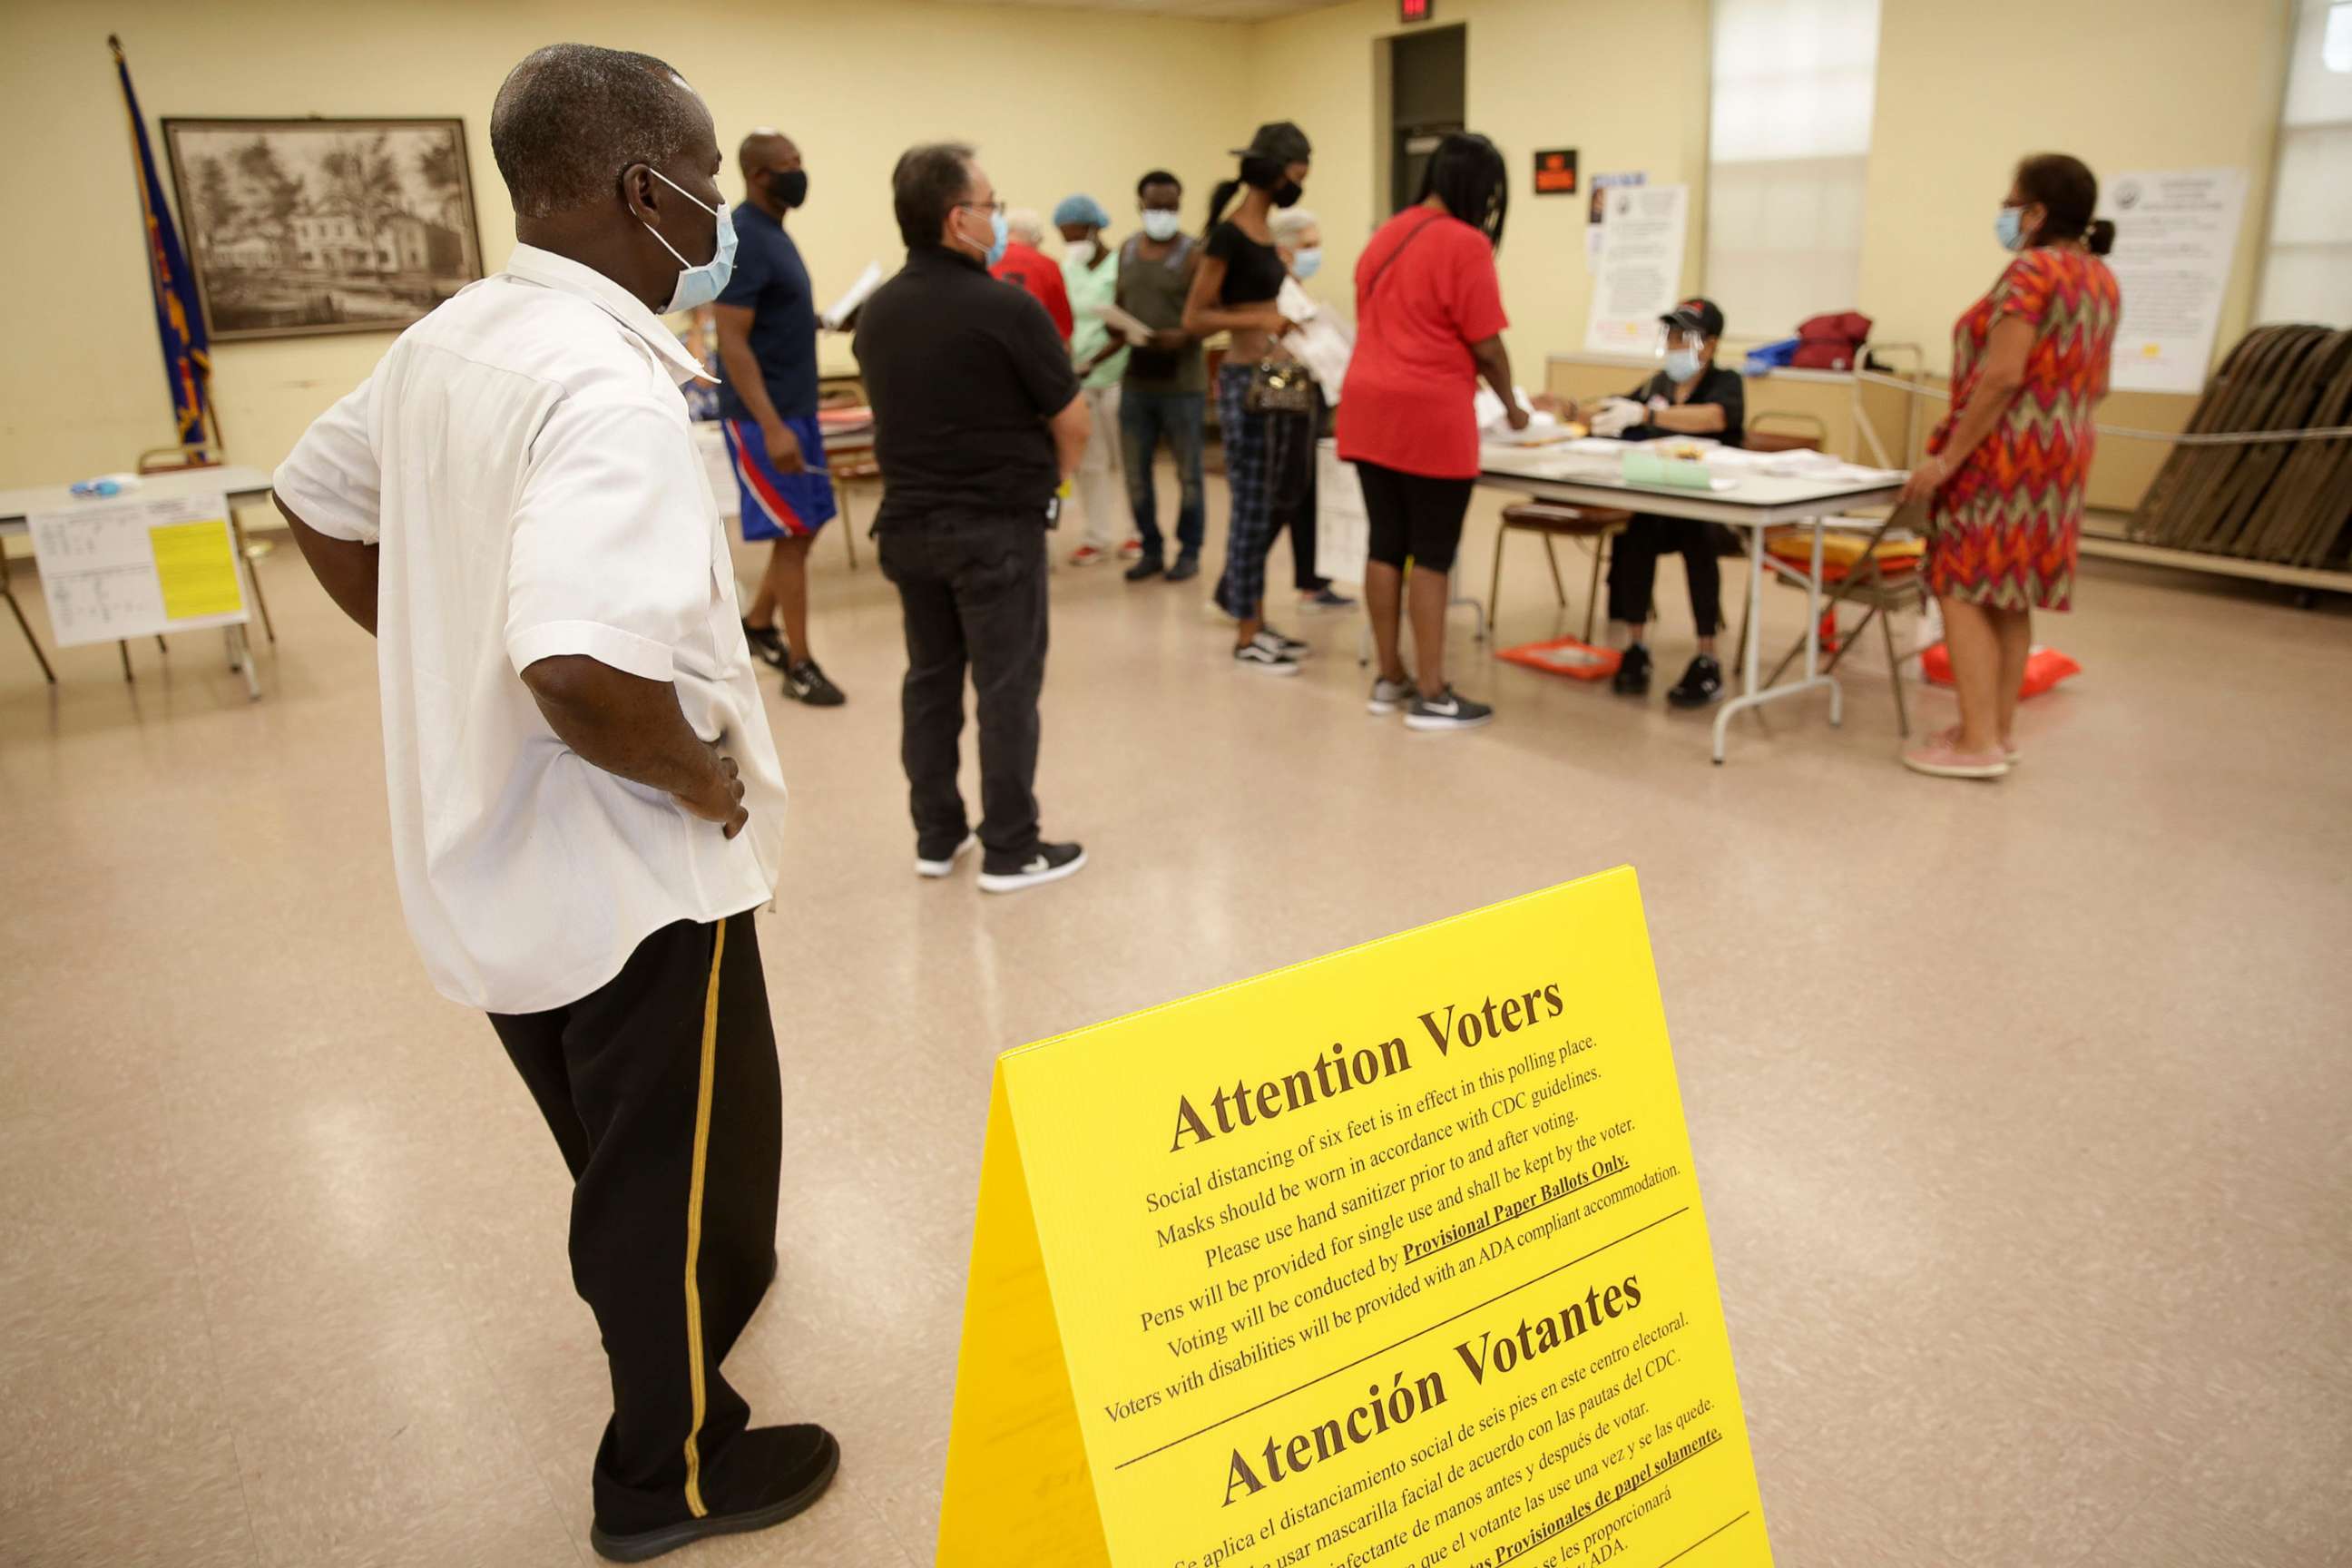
1451 711
1387 696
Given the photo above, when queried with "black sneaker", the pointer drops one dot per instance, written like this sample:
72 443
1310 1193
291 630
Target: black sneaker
1187 567
767 646
804 682
1145 569
1042 864
937 865
1633 677
1701 684
1265 659
778 1471
1450 711
1325 600
1283 643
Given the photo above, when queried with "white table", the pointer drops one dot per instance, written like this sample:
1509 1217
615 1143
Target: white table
239 484
1757 501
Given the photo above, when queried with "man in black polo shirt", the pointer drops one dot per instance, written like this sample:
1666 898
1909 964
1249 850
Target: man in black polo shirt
1691 396
978 423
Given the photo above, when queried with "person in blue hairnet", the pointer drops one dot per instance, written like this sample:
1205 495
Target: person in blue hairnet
1090 277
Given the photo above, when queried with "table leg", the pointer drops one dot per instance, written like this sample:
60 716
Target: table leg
240 659
1750 644
8 591
1754 693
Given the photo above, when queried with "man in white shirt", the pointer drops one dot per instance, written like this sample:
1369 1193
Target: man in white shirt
585 800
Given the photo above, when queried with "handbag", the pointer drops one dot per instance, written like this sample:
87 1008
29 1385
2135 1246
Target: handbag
1279 386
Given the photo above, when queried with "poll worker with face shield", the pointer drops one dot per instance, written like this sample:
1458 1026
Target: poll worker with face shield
1690 395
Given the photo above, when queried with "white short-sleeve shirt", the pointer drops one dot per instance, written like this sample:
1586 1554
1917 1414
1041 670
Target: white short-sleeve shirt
523 458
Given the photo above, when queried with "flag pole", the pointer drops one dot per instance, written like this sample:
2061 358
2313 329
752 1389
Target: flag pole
202 362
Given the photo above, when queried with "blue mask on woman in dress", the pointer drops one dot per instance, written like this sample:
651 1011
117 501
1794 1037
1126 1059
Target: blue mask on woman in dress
2010 229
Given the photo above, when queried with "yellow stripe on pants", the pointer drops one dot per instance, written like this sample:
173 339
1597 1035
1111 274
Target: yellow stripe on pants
694 1223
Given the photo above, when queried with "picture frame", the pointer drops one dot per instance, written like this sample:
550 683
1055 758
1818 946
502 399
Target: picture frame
302 228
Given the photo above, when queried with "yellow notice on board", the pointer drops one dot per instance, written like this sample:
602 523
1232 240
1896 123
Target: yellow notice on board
1395 1259
195 563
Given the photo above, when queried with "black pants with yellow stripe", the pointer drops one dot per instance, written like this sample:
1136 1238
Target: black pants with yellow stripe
661 1088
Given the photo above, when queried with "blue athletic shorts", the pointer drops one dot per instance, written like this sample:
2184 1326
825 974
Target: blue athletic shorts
780 506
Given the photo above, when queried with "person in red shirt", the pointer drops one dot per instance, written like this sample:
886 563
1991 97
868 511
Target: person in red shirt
1429 323
1023 263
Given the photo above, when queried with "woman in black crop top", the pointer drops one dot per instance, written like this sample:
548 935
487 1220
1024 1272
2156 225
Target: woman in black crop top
1234 292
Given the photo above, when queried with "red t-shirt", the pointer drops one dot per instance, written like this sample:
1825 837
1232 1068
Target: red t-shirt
1407 401
1027 266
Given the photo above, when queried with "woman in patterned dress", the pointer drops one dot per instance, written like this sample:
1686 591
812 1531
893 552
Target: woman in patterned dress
2005 470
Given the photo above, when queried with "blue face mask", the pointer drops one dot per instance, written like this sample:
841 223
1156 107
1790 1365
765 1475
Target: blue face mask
1306 263
2009 228
699 285
1681 364
996 247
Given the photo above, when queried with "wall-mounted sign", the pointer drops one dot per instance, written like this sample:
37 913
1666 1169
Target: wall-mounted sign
1415 10
1556 173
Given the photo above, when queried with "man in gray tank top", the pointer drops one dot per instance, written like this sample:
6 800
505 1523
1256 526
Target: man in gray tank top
1165 394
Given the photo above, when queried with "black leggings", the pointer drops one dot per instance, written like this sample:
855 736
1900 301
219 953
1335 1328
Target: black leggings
1634 569
1412 514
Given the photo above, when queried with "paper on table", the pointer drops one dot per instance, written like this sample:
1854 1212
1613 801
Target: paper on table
867 282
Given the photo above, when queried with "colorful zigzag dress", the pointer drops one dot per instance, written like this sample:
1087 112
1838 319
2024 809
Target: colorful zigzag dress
2007 523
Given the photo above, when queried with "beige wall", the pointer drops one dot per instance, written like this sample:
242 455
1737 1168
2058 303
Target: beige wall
2121 84
1058 100
1624 84
1064 100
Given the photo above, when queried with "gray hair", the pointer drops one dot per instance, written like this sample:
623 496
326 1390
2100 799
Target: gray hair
1024 225
1288 223
570 117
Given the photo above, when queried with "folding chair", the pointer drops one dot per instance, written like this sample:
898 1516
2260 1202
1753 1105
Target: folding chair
1548 520
1882 584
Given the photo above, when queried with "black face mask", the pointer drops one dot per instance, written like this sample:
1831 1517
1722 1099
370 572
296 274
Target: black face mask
1286 194
791 187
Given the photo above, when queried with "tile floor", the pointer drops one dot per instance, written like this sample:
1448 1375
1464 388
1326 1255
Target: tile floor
2024 1111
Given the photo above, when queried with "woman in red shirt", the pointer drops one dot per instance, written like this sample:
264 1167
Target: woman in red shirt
1429 323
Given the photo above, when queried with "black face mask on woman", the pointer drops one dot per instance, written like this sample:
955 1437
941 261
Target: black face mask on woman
1286 194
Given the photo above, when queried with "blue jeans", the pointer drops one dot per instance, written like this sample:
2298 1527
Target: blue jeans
1145 419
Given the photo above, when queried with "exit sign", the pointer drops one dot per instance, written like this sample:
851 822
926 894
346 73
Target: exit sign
1414 10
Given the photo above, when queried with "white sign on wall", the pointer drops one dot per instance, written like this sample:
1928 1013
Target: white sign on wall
1641 268
2176 231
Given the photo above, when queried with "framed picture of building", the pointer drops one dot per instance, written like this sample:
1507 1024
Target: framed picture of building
301 226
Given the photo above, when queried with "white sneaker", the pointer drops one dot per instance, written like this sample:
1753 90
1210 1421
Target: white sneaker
938 868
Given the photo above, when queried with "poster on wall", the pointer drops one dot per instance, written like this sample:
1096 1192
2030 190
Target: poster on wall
1597 214
298 227
1640 275
2176 231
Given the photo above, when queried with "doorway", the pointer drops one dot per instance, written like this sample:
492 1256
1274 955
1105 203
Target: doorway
1426 103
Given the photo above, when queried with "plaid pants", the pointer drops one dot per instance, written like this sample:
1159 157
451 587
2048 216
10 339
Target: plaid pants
1250 467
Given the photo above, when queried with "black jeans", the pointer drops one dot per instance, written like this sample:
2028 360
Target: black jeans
1634 569
661 1089
974 598
1294 472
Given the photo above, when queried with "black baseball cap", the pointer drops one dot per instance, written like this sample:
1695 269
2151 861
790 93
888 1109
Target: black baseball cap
1281 140
1700 316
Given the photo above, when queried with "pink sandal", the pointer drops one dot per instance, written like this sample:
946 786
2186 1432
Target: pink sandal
1940 757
